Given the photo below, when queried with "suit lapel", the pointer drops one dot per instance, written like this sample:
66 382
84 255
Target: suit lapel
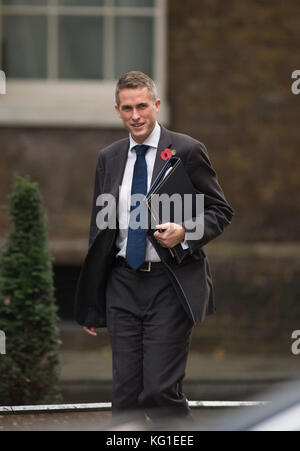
164 142
117 161
117 166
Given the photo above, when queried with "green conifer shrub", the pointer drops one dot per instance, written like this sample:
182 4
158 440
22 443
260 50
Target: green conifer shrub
29 371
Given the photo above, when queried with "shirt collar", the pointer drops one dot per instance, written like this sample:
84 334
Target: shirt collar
151 141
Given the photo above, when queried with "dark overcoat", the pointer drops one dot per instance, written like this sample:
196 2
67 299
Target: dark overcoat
191 279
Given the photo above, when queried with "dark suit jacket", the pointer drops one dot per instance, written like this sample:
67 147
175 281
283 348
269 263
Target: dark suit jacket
191 279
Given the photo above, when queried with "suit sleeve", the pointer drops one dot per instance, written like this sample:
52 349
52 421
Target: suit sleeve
98 189
217 211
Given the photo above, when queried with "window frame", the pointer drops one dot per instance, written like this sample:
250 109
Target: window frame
58 102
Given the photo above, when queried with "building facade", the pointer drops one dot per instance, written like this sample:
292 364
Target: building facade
223 70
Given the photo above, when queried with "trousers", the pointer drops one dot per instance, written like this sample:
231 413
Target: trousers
150 336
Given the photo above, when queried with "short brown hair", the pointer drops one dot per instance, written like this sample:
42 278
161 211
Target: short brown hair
134 80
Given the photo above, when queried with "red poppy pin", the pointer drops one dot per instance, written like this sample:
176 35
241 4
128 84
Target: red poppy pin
167 153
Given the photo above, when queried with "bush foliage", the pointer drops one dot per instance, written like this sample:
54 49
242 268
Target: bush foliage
29 371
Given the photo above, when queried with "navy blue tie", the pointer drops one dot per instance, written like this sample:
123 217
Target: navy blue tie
136 240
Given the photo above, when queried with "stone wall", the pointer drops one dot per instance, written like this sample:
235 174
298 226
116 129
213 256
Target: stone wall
63 162
230 66
257 300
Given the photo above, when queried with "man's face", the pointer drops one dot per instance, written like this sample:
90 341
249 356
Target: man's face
138 112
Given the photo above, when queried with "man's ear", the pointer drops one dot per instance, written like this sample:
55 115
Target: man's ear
117 110
157 104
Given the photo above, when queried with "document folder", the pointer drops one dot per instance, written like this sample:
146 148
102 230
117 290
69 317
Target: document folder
172 179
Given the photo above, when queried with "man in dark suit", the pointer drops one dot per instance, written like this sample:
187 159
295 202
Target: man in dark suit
129 281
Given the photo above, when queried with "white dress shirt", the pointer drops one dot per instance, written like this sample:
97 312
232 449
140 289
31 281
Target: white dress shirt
125 192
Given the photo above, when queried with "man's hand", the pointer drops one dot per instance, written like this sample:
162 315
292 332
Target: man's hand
172 234
91 330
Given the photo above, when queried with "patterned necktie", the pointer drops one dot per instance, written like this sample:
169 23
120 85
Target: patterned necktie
136 240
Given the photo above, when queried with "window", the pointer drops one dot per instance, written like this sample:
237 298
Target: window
60 57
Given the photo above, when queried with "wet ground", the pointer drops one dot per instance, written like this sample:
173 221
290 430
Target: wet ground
204 419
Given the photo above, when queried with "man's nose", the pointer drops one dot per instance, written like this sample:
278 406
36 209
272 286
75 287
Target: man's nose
135 114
